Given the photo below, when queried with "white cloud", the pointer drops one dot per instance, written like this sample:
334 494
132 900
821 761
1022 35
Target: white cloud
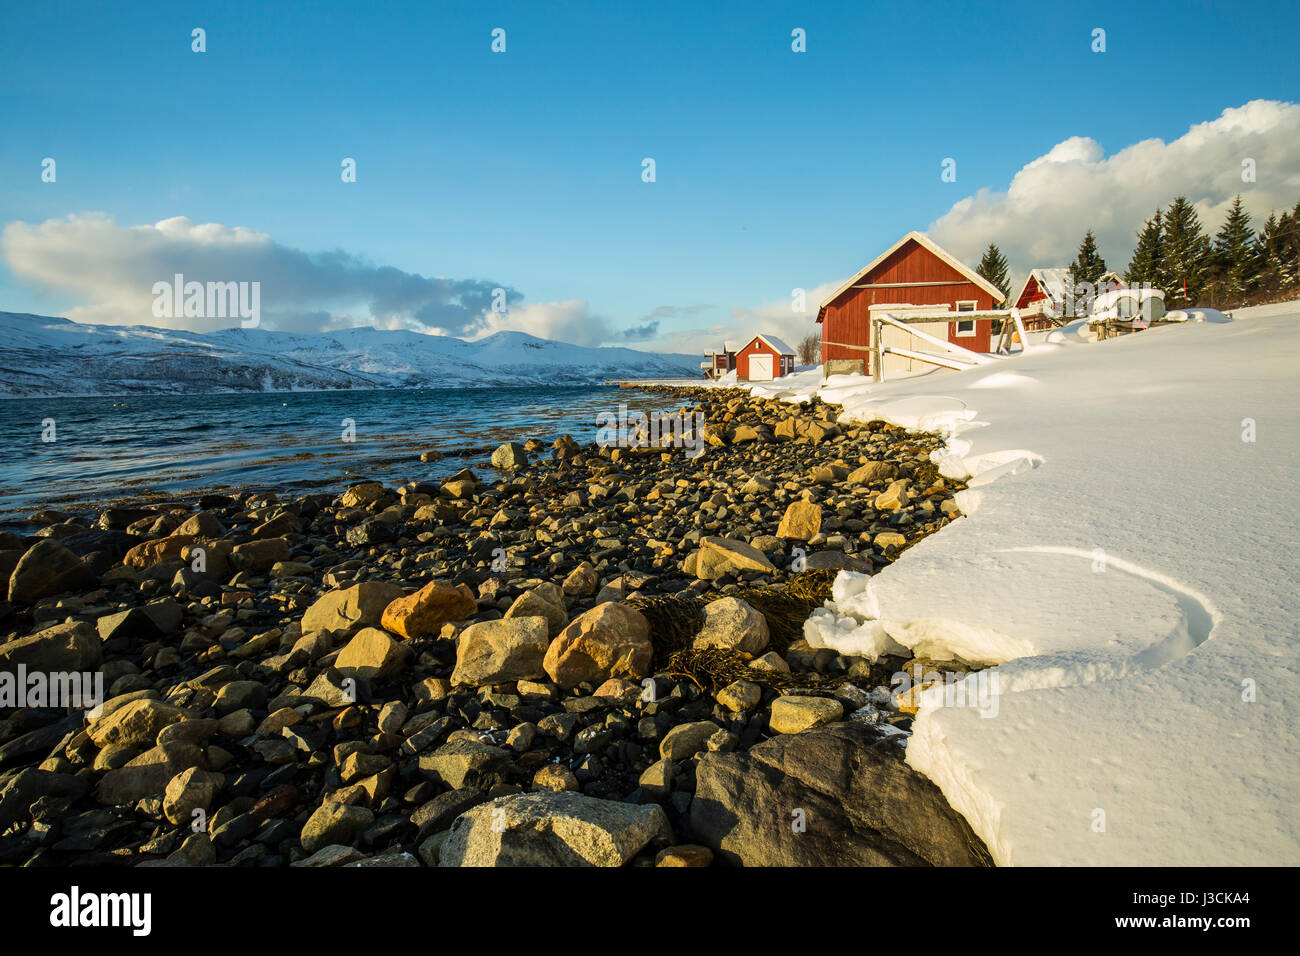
571 321
113 269
1055 198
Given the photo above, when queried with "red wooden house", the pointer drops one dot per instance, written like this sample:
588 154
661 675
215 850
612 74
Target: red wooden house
914 271
764 358
1043 298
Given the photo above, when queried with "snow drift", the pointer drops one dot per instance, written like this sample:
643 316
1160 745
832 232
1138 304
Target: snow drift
1127 564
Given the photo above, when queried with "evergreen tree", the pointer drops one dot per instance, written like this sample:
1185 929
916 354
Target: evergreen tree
1186 255
1289 233
1234 264
1088 267
1145 265
993 267
1268 256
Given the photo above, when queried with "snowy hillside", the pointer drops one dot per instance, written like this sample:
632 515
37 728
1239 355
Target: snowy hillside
1127 560
41 355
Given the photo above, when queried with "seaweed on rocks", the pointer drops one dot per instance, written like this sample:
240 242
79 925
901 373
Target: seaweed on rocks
674 622
712 668
787 606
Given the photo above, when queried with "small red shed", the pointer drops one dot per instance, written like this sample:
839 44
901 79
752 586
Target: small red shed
913 271
764 358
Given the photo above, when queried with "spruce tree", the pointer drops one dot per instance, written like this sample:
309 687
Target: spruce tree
1234 261
993 267
1289 231
1145 265
1268 256
1088 267
1186 255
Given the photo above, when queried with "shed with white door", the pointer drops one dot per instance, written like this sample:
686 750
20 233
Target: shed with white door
764 358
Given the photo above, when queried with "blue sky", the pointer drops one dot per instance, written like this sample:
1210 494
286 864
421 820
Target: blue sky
774 169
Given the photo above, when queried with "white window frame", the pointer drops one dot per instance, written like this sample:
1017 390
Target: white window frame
965 305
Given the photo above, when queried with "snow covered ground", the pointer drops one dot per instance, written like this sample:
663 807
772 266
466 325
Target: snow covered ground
1128 560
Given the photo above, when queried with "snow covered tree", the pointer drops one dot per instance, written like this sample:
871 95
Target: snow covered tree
1145 265
1186 255
993 267
1234 265
1087 268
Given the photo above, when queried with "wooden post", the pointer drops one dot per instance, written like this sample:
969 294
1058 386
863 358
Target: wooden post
877 373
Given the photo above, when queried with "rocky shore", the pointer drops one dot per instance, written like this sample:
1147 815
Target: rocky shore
566 655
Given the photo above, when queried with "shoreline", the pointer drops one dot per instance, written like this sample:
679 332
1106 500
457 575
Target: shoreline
584 627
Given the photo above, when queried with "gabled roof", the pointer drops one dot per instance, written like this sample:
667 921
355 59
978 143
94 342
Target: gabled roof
934 248
772 342
1053 282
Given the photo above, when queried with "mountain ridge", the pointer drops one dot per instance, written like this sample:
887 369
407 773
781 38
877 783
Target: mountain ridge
51 355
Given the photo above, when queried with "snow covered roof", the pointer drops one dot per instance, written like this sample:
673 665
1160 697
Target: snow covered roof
1053 282
931 246
772 342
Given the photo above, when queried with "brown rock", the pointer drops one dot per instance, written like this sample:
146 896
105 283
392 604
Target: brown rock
148 774
688 854
45 569
495 652
428 609
372 654
148 553
610 640
259 556
718 556
802 520
343 609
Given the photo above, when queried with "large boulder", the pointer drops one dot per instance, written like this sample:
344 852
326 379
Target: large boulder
552 828
372 654
69 647
148 774
545 600
463 763
873 471
510 457
202 525
610 640
719 556
801 521
494 652
360 495
361 605
428 609
48 568
858 806
259 556
332 823
734 625
148 553
795 714
135 724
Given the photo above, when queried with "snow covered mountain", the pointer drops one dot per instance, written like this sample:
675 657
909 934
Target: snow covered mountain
43 355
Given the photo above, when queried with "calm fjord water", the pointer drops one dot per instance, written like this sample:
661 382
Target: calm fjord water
132 447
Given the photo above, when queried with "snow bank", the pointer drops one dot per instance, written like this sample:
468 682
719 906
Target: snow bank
1127 563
